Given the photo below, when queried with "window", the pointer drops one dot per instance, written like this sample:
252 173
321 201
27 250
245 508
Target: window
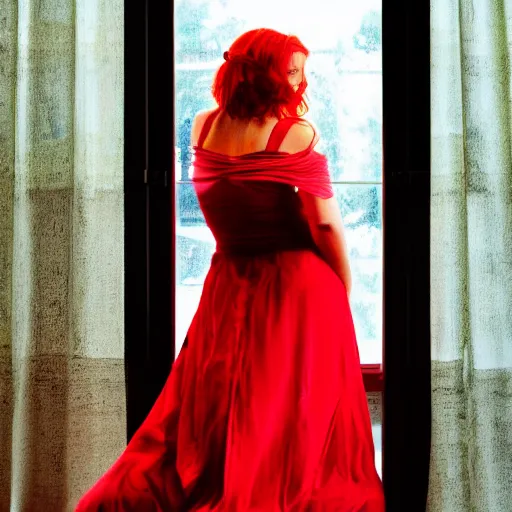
344 74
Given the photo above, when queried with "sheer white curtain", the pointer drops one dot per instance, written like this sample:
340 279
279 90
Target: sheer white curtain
62 403
471 240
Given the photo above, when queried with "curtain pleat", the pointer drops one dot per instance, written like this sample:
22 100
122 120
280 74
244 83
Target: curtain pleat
471 256
62 402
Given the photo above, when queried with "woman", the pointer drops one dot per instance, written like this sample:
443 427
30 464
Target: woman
265 408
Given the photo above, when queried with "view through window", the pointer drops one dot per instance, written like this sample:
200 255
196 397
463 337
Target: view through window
344 74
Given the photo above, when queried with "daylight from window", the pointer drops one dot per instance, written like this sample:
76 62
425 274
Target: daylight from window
344 74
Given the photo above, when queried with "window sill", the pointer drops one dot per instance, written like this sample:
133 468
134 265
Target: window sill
373 378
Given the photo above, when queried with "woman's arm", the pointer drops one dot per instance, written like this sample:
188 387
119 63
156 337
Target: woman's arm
326 226
323 215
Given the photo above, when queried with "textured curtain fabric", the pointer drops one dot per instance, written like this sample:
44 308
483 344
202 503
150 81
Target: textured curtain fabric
62 403
471 243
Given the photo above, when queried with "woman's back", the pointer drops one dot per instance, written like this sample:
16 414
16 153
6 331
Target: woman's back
236 137
244 216
233 137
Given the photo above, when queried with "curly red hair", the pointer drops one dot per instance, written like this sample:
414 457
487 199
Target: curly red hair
253 82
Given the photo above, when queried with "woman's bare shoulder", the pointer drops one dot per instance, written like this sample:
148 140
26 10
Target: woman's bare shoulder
198 123
300 136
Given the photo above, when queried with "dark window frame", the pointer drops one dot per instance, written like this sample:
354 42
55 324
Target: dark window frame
406 196
149 204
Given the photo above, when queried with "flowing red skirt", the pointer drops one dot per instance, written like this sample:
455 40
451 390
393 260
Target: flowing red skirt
265 408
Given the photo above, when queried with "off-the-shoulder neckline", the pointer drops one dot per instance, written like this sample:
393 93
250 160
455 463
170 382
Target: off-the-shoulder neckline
253 153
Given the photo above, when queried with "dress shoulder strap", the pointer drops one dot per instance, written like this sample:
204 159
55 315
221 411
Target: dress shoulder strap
206 127
279 132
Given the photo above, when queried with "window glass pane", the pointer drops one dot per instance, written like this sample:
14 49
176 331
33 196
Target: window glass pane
361 207
344 73
346 106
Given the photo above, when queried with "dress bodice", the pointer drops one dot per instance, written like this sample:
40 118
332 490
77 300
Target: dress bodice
250 201
254 217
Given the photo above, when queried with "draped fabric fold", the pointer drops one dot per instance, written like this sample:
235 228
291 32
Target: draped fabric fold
471 250
62 399
307 170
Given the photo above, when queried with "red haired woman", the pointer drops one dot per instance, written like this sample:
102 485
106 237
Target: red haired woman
265 408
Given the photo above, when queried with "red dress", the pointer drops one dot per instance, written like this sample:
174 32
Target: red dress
264 409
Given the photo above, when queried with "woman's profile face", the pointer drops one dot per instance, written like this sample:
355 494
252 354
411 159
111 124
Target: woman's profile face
296 69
